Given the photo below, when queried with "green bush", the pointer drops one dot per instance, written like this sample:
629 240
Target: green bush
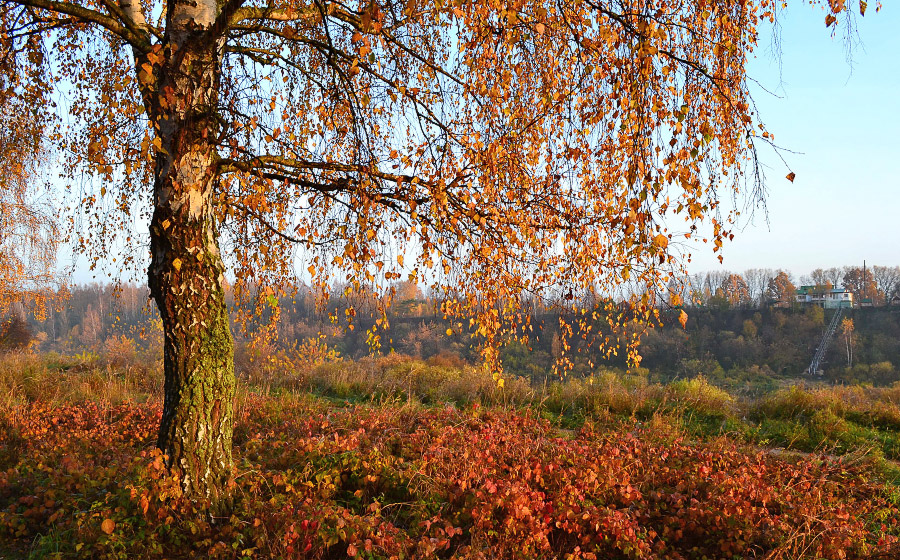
698 394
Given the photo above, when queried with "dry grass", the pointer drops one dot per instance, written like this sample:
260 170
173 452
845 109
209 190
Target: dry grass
878 406
808 418
28 377
118 375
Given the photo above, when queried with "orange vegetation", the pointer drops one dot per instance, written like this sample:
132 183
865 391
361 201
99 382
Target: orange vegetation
316 481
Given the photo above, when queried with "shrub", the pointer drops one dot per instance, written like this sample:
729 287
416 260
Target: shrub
700 395
16 334
383 481
120 351
827 427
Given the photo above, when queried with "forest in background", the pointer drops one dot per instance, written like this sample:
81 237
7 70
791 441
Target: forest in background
743 332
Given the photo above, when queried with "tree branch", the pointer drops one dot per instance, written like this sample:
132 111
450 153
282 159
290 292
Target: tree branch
280 162
88 15
272 14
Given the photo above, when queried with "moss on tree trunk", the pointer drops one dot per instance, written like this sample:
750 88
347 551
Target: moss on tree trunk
186 276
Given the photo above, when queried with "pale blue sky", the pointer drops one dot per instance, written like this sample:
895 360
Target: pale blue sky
843 117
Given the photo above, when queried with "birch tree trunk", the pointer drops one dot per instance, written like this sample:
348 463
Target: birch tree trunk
186 274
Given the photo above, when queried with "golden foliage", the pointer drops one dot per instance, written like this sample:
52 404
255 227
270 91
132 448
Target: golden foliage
493 151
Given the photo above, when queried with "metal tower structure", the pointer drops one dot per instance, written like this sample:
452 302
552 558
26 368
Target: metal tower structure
823 344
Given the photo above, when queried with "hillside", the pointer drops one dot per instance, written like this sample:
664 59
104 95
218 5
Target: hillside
750 348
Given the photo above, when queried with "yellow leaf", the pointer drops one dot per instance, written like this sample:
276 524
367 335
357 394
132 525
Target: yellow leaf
449 332
177 264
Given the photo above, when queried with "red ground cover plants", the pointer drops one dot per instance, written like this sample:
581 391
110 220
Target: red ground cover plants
318 481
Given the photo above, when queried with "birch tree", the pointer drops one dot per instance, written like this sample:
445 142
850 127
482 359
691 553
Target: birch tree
494 150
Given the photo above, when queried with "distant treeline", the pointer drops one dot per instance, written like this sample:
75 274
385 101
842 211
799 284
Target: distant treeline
730 340
761 287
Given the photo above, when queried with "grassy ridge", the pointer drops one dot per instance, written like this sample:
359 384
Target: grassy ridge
393 457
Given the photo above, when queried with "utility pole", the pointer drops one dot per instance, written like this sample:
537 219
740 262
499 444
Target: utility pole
864 281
